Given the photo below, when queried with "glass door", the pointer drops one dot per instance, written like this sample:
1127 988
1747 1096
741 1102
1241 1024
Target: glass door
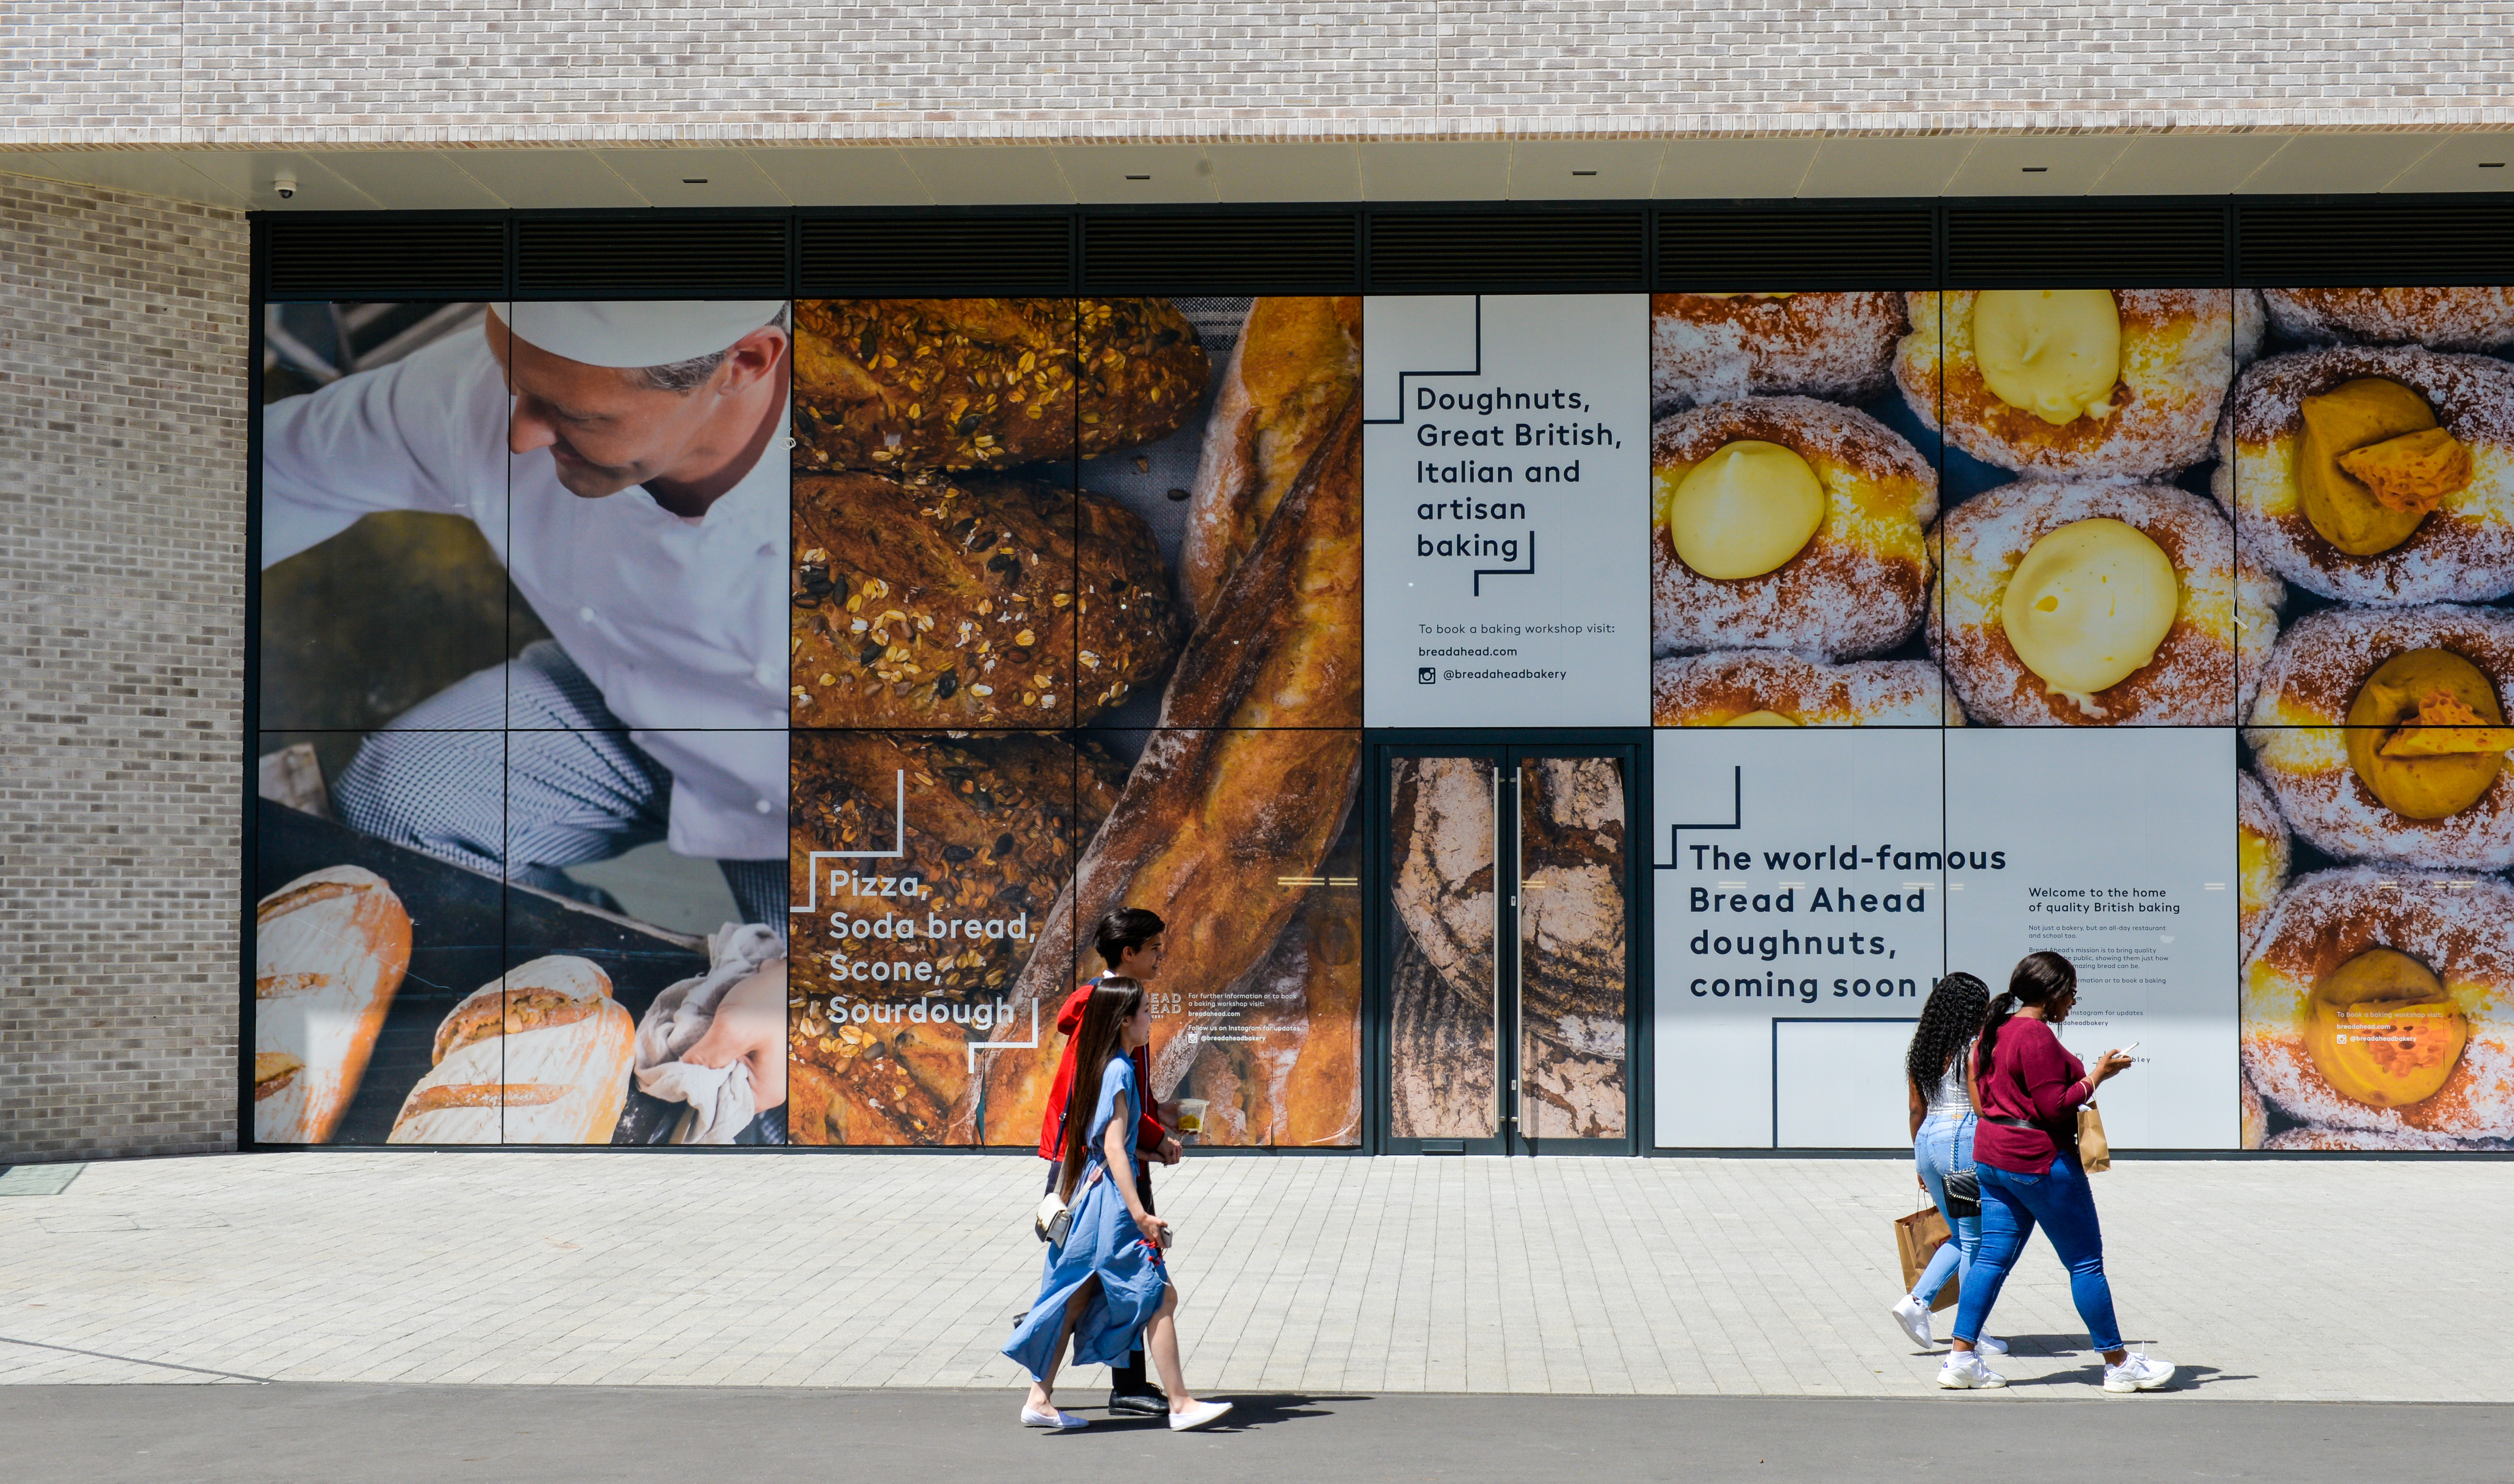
1509 956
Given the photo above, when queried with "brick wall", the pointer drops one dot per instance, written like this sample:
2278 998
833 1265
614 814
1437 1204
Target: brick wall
122 506
480 72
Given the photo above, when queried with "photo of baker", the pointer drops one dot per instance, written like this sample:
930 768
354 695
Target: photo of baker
524 664
1108 541
2368 460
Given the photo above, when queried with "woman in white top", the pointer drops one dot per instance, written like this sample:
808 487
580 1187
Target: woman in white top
1942 1124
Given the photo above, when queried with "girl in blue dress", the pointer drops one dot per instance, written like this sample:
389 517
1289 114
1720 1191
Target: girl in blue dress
1105 1283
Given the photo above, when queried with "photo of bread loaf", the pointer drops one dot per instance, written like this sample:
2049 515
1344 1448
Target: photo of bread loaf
330 948
987 384
541 1055
982 600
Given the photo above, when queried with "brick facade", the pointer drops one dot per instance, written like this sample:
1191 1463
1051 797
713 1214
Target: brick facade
122 517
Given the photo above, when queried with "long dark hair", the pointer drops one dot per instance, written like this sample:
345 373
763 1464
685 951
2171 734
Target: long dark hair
1951 1018
2039 979
1102 1035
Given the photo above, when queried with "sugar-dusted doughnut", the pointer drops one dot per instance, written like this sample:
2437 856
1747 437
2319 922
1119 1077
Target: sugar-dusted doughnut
1717 348
2438 318
2257 595
1774 688
1786 523
2095 604
2376 1001
2262 855
2350 1140
2076 381
2375 474
2355 731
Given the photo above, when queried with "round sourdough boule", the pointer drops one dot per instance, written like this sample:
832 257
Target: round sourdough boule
329 950
2179 348
540 1055
2459 926
1718 347
2300 738
2462 553
2192 679
1716 689
2262 855
1860 584
2438 318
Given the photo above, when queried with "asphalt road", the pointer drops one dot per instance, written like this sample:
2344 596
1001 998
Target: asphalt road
358 1434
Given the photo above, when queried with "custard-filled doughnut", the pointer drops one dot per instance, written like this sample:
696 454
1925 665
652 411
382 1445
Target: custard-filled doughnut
2076 381
2257 596
2440 319
2091 605
2376 1000
2262 855
2255 1119
1774 688
1718 347
1786 523
2382 731
2375 473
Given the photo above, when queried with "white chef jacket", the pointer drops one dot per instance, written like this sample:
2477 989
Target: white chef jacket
681 624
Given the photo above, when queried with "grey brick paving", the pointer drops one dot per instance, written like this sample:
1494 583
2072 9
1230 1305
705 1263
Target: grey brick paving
2344 1279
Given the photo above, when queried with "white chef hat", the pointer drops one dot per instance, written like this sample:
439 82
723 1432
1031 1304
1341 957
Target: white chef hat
635 332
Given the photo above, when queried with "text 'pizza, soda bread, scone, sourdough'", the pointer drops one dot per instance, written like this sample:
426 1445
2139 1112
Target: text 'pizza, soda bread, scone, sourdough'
987 384
983 600
329 950
993 823
540 1055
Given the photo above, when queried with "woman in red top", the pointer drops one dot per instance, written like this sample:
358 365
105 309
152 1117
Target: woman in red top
2028 1089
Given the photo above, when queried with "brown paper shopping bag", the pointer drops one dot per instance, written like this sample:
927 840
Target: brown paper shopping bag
1917 1238
2094 1150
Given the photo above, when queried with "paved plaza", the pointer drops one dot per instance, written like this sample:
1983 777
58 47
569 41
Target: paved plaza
2353 1279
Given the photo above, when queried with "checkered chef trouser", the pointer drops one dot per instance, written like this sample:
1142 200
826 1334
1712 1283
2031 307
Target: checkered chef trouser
577 788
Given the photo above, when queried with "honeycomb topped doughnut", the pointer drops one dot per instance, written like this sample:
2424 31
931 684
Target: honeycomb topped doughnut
2090 605
2375 473
2121 382
2376 1000
1717 348
2381 730
1774 688
2262 855
2438 318
1786 523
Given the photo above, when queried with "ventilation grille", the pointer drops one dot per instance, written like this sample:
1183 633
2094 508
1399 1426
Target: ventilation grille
866 256
2376 243
2015 246
644 258
1502 253
1774 249
385 257
1233 253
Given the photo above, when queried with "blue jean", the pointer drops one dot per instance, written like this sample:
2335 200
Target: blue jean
1943 1146
2061 1200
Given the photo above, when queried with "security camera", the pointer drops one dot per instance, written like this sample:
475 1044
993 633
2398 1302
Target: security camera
285 185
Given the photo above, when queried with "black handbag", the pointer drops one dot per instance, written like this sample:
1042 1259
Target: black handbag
1963 1193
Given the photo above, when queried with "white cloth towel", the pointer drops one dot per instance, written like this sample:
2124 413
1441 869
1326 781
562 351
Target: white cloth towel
719 1098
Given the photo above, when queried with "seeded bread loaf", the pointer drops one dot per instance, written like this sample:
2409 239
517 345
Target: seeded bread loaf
970 601
987 384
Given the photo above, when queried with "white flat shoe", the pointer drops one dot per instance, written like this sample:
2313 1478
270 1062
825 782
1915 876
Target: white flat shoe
1062 1421
1914 1316
1992 1346
1201 1414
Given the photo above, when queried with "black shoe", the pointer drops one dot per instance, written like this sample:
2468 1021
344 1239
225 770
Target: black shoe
1152 1401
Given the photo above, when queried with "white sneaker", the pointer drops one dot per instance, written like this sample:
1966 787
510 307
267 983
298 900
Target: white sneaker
1914 1316
2137 1373
1201 1414
1994 1346
1062 1421
1965 1372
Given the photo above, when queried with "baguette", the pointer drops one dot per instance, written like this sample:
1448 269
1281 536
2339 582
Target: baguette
1296 364
329 951
1242 790
540 1055
987 384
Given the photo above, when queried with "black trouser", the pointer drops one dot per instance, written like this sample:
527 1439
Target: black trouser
1125 1380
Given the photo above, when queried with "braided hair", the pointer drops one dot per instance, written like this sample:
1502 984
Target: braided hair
2039 979
1951 1018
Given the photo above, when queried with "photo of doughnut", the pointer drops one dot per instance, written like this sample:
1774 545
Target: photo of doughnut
2365 460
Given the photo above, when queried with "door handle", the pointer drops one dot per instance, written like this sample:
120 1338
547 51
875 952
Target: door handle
1501 1094
1517 951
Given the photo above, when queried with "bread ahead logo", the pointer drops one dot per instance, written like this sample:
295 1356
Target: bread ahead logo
864 946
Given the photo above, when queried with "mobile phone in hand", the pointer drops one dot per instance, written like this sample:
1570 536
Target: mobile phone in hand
2126 1050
